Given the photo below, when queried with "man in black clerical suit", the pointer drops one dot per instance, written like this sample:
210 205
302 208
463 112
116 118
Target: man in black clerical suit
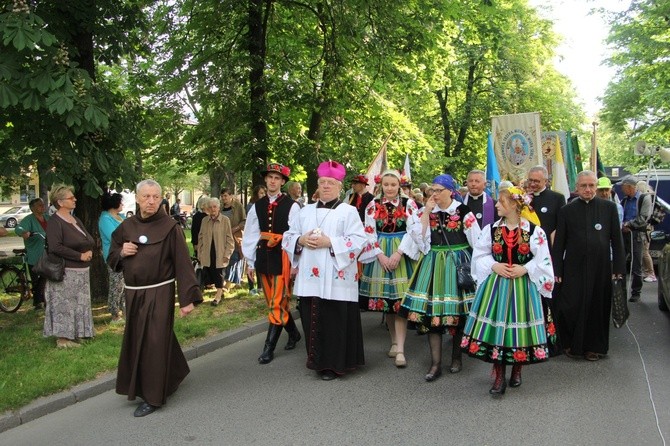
546 202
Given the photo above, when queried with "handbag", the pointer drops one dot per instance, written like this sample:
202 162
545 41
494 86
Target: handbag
464 279
620 311
50 266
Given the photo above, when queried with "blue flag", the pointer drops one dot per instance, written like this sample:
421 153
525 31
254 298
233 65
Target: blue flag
492 172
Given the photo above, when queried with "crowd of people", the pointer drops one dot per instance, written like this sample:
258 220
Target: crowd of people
513 281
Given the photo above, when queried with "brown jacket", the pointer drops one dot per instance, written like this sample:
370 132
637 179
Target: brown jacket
237 221
218 232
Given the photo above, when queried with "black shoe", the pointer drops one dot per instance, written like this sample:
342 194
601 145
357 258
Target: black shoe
498 390
292 341
432 375
634 298
328 375
144 409
215 303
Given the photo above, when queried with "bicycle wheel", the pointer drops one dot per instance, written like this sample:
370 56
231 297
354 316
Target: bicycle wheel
13 288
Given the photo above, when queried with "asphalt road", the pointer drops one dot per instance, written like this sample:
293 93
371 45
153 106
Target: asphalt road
230 399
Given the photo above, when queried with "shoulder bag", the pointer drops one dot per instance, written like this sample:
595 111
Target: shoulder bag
464 278
50 266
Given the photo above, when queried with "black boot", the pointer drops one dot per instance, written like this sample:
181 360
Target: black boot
293 333
499 385
515 379
274 331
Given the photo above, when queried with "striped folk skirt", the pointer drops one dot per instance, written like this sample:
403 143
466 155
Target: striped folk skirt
433 300
384 289
506 323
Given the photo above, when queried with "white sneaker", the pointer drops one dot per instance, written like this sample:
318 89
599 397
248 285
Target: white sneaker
650 279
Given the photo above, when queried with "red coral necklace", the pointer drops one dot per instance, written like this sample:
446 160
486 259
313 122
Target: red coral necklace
511 238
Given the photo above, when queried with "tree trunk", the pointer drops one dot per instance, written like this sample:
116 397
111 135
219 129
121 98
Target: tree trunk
443 101
88 208
259 11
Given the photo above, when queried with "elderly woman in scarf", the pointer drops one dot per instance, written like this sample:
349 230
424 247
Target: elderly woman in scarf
512 265
445 232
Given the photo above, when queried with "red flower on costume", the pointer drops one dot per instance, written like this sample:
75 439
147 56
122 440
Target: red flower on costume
548 285
381 213
524 249
452 225
399 213
551 329
454 217
371 209
352 255
540 353
497 248
348 244
464 342
315 271
369 229
340 274
520 356
474 348
469 220
380 304
540 240
432 218
396 306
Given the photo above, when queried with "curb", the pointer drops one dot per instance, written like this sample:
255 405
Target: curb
81 392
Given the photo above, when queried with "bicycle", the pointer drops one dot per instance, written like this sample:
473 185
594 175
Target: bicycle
14 282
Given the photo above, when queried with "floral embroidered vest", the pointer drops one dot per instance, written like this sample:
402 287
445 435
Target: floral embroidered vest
451 227
520 250
390 218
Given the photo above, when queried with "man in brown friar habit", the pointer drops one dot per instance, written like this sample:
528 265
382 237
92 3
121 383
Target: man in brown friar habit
266 222
151 251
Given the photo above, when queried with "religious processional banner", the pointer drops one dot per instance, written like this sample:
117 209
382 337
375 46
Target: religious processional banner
517 144
549 148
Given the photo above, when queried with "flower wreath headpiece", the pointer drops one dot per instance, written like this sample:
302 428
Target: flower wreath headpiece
527 212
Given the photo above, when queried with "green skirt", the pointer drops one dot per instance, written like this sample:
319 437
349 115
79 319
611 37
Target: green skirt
384 289
433 300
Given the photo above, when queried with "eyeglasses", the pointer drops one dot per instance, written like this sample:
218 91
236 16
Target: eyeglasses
439 190
70 198
531 180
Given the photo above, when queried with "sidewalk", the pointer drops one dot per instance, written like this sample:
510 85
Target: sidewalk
46 405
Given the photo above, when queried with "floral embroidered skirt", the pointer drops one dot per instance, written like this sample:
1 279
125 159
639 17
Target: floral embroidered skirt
506 323
384 289
433 300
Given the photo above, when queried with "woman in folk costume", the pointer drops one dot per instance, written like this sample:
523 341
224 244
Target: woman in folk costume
445 233
512 264
323 241
389 257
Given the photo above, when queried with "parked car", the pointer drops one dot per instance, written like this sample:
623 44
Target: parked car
13 216
663 277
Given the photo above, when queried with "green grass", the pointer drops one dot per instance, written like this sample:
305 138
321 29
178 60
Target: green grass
32 367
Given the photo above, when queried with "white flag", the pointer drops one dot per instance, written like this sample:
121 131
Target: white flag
406 168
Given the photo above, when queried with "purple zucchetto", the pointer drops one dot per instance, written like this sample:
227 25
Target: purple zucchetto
331 169
445 180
